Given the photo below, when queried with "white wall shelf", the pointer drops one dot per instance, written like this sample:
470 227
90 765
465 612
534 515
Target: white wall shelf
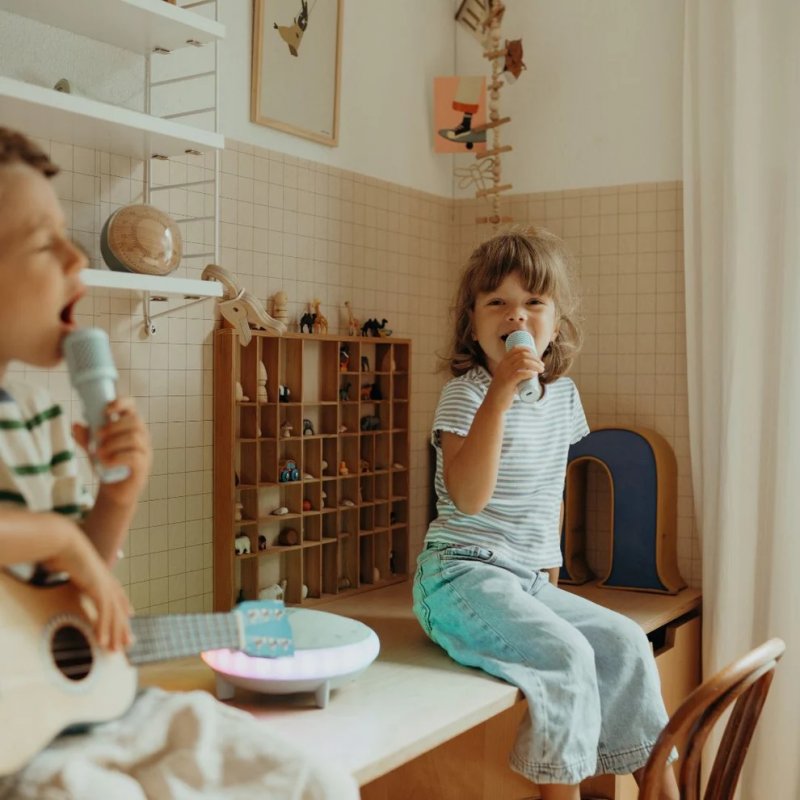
153 288
136 25
153 284
49 114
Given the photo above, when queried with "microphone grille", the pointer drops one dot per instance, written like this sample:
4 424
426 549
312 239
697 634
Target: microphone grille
88 352
516 338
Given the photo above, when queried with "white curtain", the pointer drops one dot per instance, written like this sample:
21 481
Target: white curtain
742 225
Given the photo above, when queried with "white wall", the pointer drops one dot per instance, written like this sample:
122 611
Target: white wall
600 101
391 51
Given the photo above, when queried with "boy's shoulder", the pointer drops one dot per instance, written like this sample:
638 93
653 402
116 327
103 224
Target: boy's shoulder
29 398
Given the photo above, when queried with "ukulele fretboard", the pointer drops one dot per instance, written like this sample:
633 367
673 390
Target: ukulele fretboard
178 635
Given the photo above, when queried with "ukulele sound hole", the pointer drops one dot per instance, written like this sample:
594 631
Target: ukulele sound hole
72 653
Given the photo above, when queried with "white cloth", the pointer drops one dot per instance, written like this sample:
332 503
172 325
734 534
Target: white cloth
742 222
179 746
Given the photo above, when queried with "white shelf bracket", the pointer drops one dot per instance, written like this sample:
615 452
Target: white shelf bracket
150 327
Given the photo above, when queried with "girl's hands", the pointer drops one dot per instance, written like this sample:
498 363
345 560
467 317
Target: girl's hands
518 364
89 573
123 440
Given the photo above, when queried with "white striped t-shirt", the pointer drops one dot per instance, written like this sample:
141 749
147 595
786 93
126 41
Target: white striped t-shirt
521 519
38 470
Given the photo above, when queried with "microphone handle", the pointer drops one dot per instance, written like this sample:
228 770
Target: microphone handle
95 396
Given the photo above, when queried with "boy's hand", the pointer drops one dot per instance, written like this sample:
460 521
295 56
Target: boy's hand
518 364
123 440
78 557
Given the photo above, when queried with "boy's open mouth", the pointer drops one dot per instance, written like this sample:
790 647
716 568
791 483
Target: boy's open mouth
66 312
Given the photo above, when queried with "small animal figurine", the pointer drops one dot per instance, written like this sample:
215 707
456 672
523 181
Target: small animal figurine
375 392
276 591
287 471
343 468
308 428
280 303
237 516
366 391
324 496
307 321
262 542
363 465
344 358
286 429
306 504
284 393
288 537
352 323
370 422
241 544
320 320
344 391
279 511
364 364
323 465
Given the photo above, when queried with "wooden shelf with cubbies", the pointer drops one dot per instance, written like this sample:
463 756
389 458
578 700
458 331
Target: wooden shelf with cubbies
322 436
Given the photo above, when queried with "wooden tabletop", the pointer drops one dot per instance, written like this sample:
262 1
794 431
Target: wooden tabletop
412 699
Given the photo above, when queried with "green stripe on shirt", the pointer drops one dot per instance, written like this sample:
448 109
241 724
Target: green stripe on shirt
39 469
12 497
33 422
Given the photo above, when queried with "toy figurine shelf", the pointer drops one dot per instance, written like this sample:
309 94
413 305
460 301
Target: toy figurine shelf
332 460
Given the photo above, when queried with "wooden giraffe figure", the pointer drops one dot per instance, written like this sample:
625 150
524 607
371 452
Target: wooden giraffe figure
353 325
320 320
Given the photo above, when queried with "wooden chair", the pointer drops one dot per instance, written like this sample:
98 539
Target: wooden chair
745 681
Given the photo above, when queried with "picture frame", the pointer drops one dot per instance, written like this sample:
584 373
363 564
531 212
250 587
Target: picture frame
296 67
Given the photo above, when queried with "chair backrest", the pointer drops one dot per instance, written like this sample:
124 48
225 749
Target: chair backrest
745 681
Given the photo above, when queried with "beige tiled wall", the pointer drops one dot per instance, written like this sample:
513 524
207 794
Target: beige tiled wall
316 231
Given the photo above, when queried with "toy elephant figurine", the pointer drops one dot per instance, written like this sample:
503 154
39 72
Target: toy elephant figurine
241 544
274 592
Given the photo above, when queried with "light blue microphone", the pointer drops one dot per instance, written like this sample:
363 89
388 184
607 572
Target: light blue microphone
94 377
529 389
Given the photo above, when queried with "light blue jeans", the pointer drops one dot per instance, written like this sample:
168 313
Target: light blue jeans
588 674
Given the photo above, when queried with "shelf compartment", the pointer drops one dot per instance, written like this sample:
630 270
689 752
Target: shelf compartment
136 25
48 114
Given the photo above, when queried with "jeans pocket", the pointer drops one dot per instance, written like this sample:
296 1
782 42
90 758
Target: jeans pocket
466 552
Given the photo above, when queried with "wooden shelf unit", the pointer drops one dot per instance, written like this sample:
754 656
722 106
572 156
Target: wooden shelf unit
355 536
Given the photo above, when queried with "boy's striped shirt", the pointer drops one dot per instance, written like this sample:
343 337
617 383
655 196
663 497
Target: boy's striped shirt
38 470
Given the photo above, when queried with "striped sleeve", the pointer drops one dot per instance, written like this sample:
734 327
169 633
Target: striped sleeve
459 401
580 427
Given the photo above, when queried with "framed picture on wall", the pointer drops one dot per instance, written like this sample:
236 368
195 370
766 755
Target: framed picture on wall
296 64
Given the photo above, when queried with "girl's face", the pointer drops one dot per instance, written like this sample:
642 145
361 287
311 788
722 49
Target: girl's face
511 307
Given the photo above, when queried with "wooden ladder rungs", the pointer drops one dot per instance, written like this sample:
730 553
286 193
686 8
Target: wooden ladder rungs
496 152
487 125
494 190
493 220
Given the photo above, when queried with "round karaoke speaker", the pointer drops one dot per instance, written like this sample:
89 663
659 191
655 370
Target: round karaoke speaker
329 651
143 239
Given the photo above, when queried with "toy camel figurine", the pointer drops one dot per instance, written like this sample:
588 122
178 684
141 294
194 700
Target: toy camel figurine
307 320
320 320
